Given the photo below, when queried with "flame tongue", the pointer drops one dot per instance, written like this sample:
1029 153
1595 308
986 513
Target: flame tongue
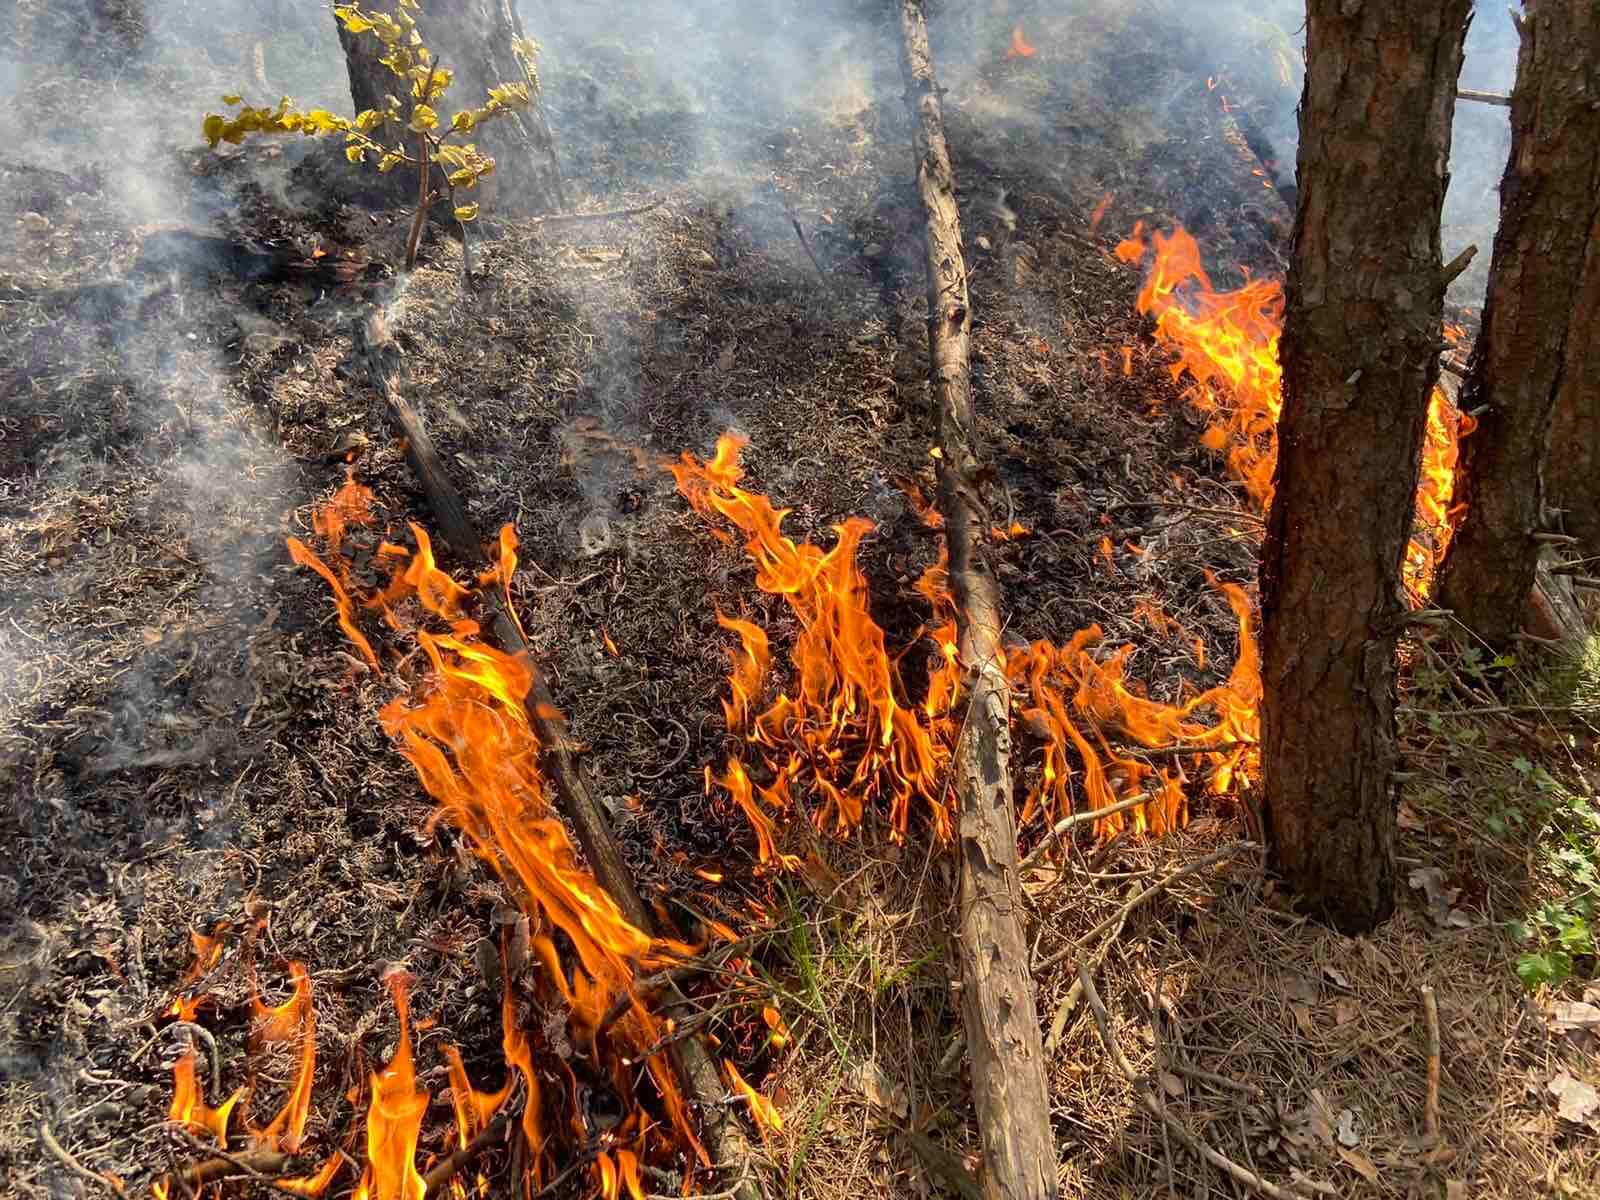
296 1016
394 1120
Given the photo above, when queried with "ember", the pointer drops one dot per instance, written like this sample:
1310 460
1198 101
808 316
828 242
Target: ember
1019 47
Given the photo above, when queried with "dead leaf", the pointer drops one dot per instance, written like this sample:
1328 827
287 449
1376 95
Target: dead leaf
1576 1101
1347 1128
1407 818
1345 1011
1305 989
1302 1018
1441 899
1567 1015
1172 1085
1337 977
881 1091
1360 1163
1455 1189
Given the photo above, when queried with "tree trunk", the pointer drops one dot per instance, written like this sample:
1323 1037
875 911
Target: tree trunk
1538 341
1360 357
473 39
1566 39
997 1002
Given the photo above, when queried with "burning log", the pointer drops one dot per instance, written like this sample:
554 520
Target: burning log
694 1066
998 1005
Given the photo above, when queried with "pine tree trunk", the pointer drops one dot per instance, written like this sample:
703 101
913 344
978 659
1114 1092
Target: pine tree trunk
1538 345
1566 34
473 38
1360 357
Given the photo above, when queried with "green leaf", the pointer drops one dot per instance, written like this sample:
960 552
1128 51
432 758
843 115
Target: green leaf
233 98
1535 969
423 119
464 121
466 212
212 129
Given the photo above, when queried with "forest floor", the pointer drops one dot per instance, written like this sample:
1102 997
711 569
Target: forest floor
186 739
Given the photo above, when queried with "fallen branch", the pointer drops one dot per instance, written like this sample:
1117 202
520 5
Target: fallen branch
1150 1104
997 1000
811 254
262 1166
1496 98
693 1064
1430 1103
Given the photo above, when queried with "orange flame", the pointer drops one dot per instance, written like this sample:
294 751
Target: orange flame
848 730
1019 47
1227 347
762 1111
280 1023
189 1103
394 1120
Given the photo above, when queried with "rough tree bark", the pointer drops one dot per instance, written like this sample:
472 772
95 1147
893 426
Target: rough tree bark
473 38
1538 343
1360 357
1568 32
997 1001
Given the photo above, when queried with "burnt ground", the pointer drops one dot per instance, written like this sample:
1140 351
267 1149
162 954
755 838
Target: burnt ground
185 739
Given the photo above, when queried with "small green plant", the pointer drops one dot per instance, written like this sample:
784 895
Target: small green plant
406 132
1560 934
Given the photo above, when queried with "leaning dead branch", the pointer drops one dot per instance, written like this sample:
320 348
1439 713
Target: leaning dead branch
997 1000
692 1062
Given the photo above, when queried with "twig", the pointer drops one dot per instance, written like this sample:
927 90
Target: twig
608 214
801 234
1457 266
447 1169
727 1194
1121 915
66 1159
1430 1104
1496 98
1217 1081
194 1030
259 1165
1237 514
1154 1107
1067 824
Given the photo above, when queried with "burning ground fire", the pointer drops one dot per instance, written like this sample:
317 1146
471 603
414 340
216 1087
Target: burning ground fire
1226 343
842 730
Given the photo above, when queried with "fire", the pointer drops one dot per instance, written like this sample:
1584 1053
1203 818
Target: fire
295 1017
1226 345
189 1103
1019 47
767 1118
394 1120
849 731
465 728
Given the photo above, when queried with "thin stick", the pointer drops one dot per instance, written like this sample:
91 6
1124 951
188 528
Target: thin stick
1430 1104
1217 1081
194 1030
257 1165
1066 824
1179 1130
444 1171
726 1194
66 1159
801 234
608 214
1496 98
1121 915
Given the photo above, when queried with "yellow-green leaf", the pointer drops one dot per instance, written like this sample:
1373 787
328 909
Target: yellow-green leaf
464 178
466 212
211 129
423 119
355 154
368 121
353 21
389 162
464 121
233 98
